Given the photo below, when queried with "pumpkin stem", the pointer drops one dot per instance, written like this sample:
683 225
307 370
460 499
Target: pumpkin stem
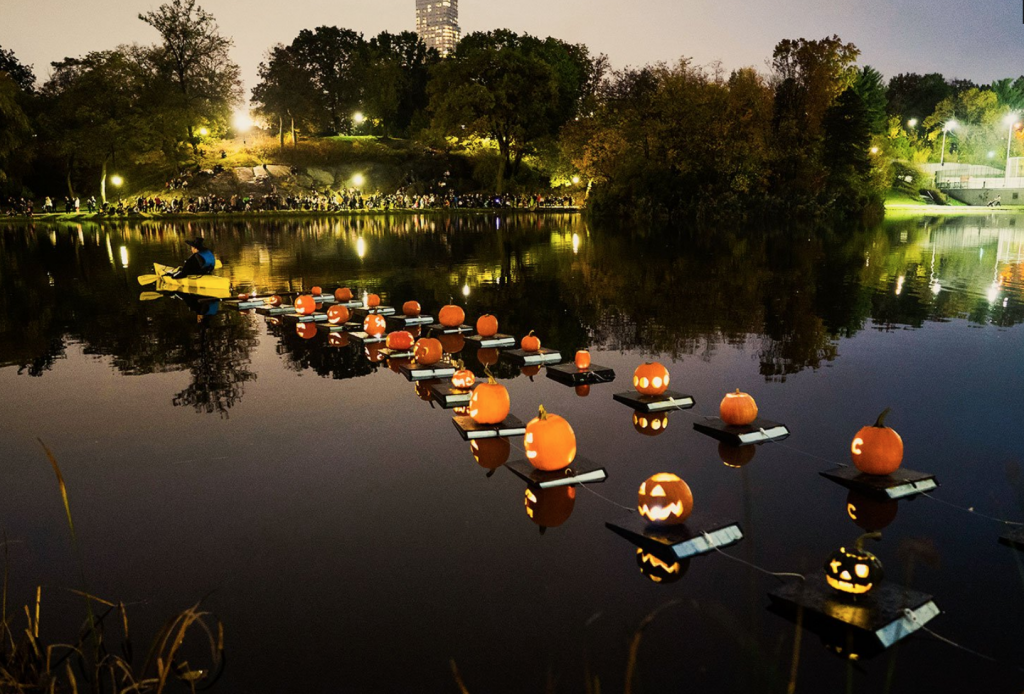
859 544
529 334
542 413
880 422
737 391
490 376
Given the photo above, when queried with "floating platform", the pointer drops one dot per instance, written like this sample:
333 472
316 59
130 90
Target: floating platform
293 318
899 485
570 375
362 311
274 310
343 327
469 430
403 321
1013 538
350 304
242 305
679 541
495 341
438 329
884 615
541 356
669 400
396 353
758 431
366 338
448 396
582 471
415 372
325 299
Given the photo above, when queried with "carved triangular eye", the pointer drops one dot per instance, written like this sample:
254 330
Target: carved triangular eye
658 491
643 488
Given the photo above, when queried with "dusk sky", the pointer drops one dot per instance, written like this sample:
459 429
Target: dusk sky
978 41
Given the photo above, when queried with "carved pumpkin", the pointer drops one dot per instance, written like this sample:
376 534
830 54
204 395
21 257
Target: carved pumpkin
735 456
530 343
490 402
411 309
461 411
399 340
665 498
487 357
316 290
427 351
530 371
651 424
275 301
870 513
650 378
338 339
305 305
372 301
451 316
343 294
551 507
737 409
374 325
660 569
490 454
487 325
243 297
583 390
453 343
550 442
374 354
307 331
338 315
463 378
877 449
582 360
854 572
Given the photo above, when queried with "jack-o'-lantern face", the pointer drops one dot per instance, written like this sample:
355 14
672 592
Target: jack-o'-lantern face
854 571
374 325
338 315
490 454
463 378
660 569
735 456
664 498
550 507
877 449
305 305
651 379
423 391
307 331
275 301
339 339
461 411
870 513
650 424
374 354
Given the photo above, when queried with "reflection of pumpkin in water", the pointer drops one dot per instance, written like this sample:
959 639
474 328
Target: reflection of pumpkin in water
452 344
396 364
423 390
870 513
650 424
661 568
490 454
665 498
488 356
549 508
583 390
338 339
530 371
307 331
735 456
374 354
854 571
461 411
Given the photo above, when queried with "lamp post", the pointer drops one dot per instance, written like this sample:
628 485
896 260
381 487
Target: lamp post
950 124
912 123
1011 122
117 181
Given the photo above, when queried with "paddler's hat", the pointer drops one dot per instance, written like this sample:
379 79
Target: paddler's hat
197 242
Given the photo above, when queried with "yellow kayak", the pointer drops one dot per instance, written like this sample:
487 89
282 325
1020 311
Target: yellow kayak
205 285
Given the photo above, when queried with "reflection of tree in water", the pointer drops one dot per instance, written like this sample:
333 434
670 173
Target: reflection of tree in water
218 357
314 354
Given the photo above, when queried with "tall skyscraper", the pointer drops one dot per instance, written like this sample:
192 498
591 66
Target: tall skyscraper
437 23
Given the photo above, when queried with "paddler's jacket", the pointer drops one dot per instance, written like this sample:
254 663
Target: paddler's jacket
199 263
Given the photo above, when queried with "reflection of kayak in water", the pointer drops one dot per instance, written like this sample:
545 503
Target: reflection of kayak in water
204 285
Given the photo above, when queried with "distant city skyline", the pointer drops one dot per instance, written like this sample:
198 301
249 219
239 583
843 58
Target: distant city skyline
894 36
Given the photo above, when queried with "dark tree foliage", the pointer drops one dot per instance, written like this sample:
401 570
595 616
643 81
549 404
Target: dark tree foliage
21 74
915 96
871 89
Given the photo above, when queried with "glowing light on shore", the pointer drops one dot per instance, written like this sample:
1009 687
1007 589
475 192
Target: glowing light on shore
242 121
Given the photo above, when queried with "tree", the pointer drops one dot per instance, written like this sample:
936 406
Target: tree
285 92
871 90
329 59
395 73
15 129
915 96
20 74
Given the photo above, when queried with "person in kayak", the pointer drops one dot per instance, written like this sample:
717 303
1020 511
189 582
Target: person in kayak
201 262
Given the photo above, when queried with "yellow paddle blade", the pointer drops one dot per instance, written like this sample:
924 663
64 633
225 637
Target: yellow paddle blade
150 296
148 279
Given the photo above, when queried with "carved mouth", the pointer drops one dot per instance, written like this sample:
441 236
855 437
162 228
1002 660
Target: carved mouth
660 513
847 587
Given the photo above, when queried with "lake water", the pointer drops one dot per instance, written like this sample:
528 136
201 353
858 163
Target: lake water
345 535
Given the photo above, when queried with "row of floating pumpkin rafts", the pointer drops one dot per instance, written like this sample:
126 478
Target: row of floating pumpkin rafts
664 498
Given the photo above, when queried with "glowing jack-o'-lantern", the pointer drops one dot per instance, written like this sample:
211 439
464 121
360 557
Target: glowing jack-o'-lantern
488 356
583 390
343 294
870 513
550 442
735 456
372 300
451 316
665 498
463 378
551 507
427 351
582 360
305 305
877 449
338 339
490 454
854 572
650 424
399 340
275 301
737 409
650 378
338 315
374 325
374 354
487 325
463 411
243 296
307 331
316 290
411 309
530 343
490 402
660 569
453 343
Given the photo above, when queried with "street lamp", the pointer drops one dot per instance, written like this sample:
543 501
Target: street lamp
912 123
358 118
1011 122
358 180
204 131
950 124
117 182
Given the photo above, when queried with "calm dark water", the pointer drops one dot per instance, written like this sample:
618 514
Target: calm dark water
343 532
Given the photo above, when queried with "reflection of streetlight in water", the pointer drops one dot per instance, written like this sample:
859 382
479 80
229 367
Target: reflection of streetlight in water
465 290
124 256
899 284
575 243
934 281
361 248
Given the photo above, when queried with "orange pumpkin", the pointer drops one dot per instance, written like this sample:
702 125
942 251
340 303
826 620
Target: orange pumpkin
550 442
551 507
487 325
243 297
665 498
463 378
428 351
877 449
338 339
490 402
343 294
316 291
274 301
490 454
374 325
735 456
373 353
307 331
530 343
487 357
582 360
372 301
452 344
305 305
650 378
650 424
338 315
451 316
583 390
399 340
411 309
737 409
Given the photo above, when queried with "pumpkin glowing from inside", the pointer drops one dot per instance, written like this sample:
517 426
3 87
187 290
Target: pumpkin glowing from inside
305 305
650 378
374 325
551 507
583 390
427 351
451 316
487 325
582 360
550 442
530 343
275 301
490 454
490 402
399 340
463 378
374 354
870 513
877 449
343 294
660 569
338 339
650 424
735 456
307 331
737 409
338 315
854 571
372 300
665 499
411 309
